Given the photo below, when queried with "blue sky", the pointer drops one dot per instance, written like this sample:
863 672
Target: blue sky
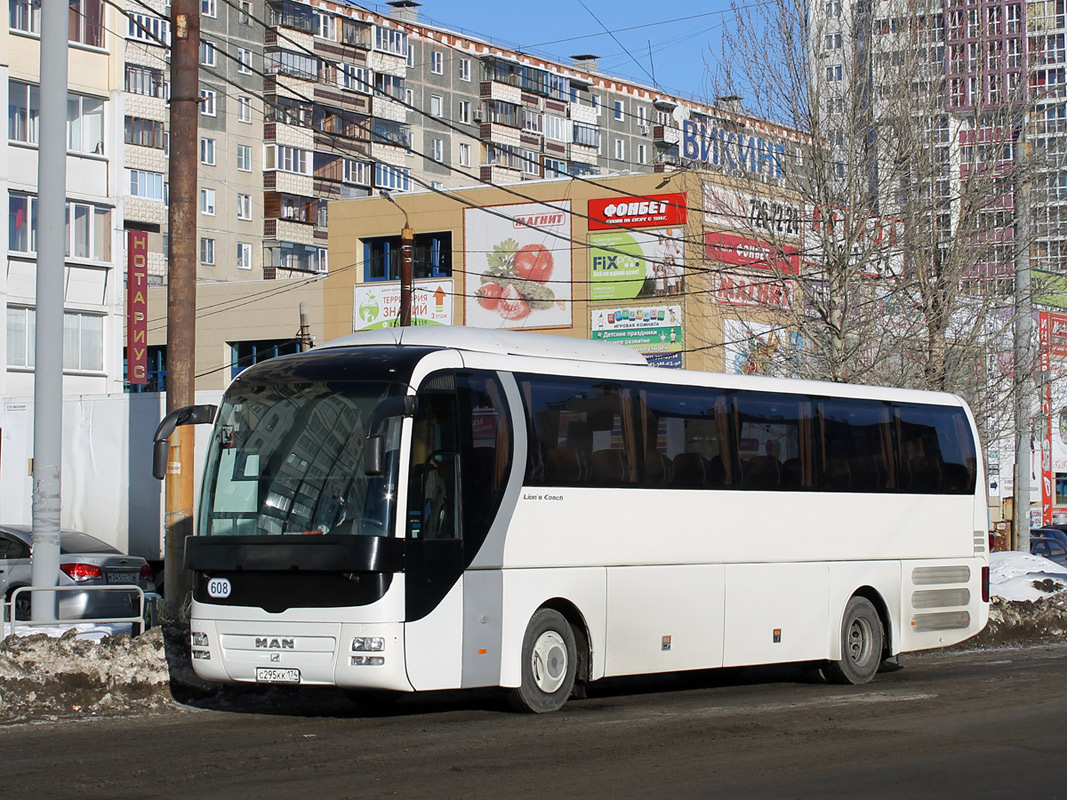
679 33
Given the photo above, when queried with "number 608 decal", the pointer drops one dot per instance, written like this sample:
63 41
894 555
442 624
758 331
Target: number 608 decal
218 587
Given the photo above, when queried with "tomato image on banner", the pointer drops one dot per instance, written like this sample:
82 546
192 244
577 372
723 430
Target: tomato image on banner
518 266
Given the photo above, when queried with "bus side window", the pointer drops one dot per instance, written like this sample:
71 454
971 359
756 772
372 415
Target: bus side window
434 484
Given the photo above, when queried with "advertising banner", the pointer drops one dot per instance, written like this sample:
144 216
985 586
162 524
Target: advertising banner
518 265
741 211
624 265
753 348
137 307
754 291
878 249
740 251
377 305
655 331
653 211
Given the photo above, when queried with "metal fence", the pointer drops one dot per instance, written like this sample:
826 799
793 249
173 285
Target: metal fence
148 604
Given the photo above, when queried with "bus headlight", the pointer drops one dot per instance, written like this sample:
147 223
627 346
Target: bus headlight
368 644
199 639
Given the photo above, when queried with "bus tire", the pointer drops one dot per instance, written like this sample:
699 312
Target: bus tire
549 664
861 644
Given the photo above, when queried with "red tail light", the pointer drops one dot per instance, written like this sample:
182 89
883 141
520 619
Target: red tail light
146 573
985 584
81 572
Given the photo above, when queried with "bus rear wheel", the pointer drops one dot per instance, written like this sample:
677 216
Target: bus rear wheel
861 644
549 664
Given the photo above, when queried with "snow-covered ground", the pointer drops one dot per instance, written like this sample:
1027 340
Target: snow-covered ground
85 670
1019 576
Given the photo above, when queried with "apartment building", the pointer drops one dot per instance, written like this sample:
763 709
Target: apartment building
93 293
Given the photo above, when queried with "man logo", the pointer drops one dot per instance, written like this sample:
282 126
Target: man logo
276 644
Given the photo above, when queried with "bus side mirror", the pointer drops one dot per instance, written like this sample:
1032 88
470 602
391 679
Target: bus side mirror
373 453
186 415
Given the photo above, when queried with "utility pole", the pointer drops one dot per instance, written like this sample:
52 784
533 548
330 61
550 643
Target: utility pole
181 289
48 346
304 335
407 245
1024 362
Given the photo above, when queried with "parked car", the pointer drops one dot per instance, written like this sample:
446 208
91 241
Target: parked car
1049 532
1049 548
83 561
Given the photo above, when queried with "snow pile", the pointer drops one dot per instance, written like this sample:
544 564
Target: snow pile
1019 576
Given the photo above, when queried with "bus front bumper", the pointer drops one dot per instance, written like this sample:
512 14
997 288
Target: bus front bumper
347 655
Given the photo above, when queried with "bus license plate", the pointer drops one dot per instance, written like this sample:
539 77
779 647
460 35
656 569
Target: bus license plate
277 675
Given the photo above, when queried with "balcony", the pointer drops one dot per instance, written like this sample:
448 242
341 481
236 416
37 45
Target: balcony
665 134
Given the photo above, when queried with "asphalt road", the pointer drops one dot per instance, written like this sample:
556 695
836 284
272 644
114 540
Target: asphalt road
986 724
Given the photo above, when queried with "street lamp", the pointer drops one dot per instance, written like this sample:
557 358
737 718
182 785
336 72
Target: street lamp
407 244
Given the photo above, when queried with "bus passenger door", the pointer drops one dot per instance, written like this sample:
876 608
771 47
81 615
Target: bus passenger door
434 558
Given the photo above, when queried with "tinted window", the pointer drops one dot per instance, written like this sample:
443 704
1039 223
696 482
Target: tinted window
936 450
75 542
686 437
13 548
856 447
774 441
581 433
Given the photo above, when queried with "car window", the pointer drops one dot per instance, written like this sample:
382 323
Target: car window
1040 548
76 542
13 548
1056 549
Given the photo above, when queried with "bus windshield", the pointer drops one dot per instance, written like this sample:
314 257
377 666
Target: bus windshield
288 459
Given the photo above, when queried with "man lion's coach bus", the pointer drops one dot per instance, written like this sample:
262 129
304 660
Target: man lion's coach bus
436 508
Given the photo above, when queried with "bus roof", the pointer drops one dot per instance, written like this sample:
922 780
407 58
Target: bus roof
482 340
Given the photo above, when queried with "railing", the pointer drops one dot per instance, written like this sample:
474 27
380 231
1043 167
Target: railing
148 604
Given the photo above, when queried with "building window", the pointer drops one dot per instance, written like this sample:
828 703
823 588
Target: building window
23 112
207 202
85 124
438 150
21 336
144 132
88 231
531 163
26 16
594 101
357 172
464 69
554 167
207 251
834 73
464 155
833 41
148 185
390 177
207 152
642 116
244 255
209 8
556 128
411 56
86 22
326 26
620 109
22 223
244 157
642 154
244 12
390 40
287 159
431 257
146 81
620 149
244 206
436 106
148 28
83 342
207 102
244 109
358 79
464 111
437 62
245 354
833 8
244 61
207 54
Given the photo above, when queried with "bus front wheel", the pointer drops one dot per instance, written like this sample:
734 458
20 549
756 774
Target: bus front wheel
861 644
549 663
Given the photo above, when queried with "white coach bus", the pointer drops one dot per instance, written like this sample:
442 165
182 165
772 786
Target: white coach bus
436 508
